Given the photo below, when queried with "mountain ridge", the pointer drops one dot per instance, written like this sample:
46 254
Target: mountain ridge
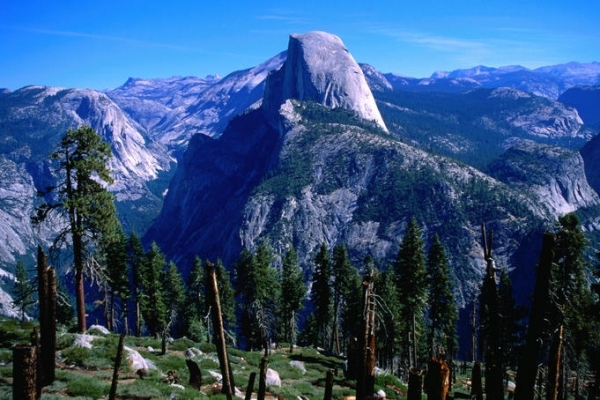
216 125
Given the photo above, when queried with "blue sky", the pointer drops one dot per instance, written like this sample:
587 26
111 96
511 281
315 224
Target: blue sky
100 44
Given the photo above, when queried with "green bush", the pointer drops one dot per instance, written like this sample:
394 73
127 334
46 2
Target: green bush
182 344
87 387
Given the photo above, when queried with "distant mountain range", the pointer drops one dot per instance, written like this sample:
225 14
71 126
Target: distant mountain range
310 147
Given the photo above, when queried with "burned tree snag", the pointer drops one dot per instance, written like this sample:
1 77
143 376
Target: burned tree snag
526 374
438 379
415 384
115 378
24 372
217 318
250 386
476 383
262 378
554 365
195 374
48 339
365 381
47 305
494 383
328 385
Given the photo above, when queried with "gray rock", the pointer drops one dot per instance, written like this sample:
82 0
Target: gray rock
319 68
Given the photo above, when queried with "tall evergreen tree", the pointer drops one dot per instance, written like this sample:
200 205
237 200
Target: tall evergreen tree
388 327
321 296
83 200
135 260
293 292
443 313
173 295
573 295
23 290
115 255
195 302
511 327
152 301
257 287
344 274
411 283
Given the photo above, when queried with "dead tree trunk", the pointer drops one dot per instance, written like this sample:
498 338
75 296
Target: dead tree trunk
115 377
24 372
138 327
35 343
195 374
526 374
438 379
262 379
365 381
47 306
476 384
328 385
48 339
415 384
494 382
42 266
250 386
217 317
554 365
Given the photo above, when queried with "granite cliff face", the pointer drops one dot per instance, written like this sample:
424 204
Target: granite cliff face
554 175
304 157
319 68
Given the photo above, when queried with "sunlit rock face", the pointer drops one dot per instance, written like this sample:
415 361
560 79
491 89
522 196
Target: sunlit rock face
320 68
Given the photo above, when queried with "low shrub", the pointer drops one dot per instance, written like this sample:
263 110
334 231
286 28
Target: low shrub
87 387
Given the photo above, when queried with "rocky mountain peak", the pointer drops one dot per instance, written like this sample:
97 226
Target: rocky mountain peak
320 68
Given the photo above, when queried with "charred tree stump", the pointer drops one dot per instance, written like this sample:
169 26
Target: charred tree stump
365 380
494 382
115 377
48 339
476 383
24 372
42 266
415 384
262 379
526 374
554 365
35 343
217 317
438 379
47 306
328 385
195 374
250 386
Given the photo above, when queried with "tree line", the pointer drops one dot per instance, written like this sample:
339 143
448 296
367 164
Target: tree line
262 304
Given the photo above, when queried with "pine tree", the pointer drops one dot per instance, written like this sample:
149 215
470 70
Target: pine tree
344 275
573 295
511 317
443 313
388 328
226 296
173 294
83 200
195 302
23 290
321 297
135 260
258 290
411 283
152 302
293 292
115 254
